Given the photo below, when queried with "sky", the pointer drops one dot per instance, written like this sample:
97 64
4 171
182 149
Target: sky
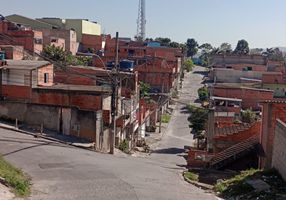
261 22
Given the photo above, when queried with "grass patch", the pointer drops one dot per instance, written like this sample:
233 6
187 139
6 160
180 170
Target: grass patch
14 178
166 118
191 176
124 146
237 186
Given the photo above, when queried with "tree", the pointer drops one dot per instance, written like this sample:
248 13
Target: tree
205 53
174 45
64 58
242 47
198 119
163 41
225 48
274 54
192 47
188 65
206 47
144 89
248 116
203 93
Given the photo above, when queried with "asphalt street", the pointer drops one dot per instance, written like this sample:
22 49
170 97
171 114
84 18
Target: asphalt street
61 172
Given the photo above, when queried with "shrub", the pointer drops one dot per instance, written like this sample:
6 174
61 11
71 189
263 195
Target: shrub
124 146
188 65
203 93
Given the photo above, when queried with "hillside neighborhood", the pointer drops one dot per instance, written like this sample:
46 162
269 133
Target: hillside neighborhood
87 115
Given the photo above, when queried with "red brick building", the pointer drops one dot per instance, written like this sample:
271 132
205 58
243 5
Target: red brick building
12 34
13 52
250 96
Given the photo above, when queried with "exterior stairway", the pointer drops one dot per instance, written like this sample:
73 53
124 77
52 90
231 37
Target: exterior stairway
234 152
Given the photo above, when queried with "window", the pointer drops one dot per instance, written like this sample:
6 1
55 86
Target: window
46 77
38 41
53 40
249 68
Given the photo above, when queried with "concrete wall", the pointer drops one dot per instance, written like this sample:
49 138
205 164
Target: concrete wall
279 150
82 27
82 124
233 76
31 114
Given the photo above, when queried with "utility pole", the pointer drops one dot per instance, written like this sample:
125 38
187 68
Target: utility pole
114 97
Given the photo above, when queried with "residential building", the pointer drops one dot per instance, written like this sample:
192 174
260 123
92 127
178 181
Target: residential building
12 34
61 37
19 77
81 26
52 34
250 96
13 52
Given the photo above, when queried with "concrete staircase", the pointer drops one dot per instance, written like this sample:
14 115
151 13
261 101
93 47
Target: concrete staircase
234 152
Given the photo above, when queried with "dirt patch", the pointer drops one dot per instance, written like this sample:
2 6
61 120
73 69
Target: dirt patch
5 193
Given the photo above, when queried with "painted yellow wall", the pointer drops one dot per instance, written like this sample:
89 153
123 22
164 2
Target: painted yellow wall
83 27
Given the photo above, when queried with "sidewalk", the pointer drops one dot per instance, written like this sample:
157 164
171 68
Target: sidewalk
153 138
49 135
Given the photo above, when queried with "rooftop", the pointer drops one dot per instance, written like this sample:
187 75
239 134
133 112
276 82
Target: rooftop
24 64
76 88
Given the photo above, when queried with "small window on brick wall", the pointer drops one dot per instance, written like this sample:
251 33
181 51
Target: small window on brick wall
46 77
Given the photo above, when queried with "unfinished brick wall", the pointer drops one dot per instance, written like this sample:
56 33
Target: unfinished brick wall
15 92
271 111
60 98
250 96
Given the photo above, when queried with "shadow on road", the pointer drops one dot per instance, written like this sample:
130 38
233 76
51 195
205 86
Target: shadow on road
169 151
33 144
204 73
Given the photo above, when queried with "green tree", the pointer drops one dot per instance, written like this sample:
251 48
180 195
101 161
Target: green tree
188 65
198 119
225 48
144 89
174 45
206 50
203 93
163 41
64 58
192 47
274 54
242 47
206 47
248 116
